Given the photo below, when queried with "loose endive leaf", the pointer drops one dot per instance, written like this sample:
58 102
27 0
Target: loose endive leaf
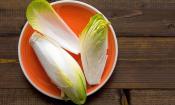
94 45
61 67
43 18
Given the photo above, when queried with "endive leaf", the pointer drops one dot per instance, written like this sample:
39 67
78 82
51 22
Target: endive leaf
94 46
43 18
61 67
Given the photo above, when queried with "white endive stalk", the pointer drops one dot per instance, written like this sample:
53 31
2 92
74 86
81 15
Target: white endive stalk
61 67
43 18
94 44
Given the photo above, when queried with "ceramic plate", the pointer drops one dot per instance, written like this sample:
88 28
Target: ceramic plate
76 14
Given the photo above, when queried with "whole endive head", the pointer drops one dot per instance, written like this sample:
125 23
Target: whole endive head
60 67
43 18
94 44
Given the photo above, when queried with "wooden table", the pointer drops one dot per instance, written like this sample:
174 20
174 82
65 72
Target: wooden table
146 30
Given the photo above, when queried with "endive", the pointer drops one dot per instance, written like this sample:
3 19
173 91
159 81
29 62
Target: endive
94 44
61 68
43 18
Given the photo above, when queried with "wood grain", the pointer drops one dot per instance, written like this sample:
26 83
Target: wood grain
33 97
139 17
129 18
9 47
152 97
143 62
12 16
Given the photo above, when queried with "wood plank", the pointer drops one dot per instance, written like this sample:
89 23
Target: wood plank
129 18
12 77
139 17
152 97
33 97
9 47
105 97
12 16
144 62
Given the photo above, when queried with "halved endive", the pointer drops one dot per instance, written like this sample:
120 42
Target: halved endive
61 68
43 18
94 44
